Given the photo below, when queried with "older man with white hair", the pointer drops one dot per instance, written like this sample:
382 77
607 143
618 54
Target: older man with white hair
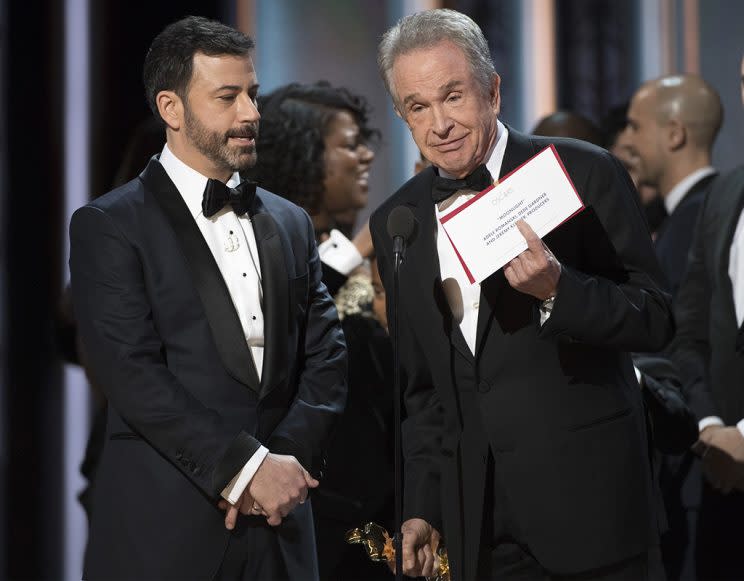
524 443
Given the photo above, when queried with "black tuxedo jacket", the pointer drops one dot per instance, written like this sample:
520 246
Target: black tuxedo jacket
704 347
674 237
560 404
186 408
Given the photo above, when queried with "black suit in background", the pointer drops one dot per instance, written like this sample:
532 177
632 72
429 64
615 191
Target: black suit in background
674 237
186 408
704 349
679 476
547 421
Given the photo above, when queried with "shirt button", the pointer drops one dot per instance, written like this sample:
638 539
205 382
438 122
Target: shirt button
476 304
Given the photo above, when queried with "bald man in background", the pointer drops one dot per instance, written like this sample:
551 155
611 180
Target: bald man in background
672 125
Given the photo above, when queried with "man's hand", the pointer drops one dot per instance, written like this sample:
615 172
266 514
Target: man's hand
244 505
536 271
723 462
278 486
420 542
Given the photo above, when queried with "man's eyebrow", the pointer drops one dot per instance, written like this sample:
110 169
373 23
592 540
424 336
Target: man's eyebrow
446 88
451 85
228 88
409 98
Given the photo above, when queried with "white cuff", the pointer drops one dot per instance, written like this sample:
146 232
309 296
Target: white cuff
639 378
339 253
546 308
740 426
231 493
710 421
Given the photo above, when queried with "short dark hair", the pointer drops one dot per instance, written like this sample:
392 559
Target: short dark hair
169 61
294 123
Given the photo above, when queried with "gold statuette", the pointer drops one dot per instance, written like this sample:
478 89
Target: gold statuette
379 546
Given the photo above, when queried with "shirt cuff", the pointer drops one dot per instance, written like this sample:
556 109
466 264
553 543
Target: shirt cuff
740 427
231 493
339 253
710 421
546 308
638 375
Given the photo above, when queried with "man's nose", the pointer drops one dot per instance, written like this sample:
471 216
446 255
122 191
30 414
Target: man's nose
441 122
247 109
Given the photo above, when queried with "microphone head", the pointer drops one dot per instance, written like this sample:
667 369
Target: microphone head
402 223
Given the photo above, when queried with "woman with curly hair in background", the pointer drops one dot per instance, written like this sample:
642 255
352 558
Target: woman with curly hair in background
314 149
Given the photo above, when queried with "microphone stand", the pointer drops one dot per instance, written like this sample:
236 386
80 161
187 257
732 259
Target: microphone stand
398 465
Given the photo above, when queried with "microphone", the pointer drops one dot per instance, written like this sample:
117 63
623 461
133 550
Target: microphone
401 227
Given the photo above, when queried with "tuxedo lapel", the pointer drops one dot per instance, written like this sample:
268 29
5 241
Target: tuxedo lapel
422 266
518 150
224 322
274 283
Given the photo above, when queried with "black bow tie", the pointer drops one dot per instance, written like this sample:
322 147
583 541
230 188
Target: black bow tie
443 188
217 194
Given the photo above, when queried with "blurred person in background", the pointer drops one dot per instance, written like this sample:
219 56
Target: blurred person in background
709 350
617 143
569 124
672 125
314 148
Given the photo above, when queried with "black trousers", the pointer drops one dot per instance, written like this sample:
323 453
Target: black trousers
253 553
719 550
508 558
512 562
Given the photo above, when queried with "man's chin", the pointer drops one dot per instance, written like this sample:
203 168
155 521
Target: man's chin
244 162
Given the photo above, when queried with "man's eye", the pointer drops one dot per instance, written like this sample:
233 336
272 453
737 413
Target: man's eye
454 97
227 98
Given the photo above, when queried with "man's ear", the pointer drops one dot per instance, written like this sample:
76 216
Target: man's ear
170 108
676 135
495 93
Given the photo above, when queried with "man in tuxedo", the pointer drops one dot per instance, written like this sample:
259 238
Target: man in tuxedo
201 308
525 443
709 350
672 125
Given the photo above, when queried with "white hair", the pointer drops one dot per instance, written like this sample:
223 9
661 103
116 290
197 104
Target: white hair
426 29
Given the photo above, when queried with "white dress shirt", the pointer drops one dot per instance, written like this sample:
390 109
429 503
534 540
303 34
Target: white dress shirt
675 195
233 244
450 266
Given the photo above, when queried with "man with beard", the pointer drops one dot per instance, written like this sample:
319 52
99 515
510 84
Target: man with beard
201 308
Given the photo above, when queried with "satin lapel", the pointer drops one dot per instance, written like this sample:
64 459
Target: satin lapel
518 150
275 285
423 270
218 306
728 228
